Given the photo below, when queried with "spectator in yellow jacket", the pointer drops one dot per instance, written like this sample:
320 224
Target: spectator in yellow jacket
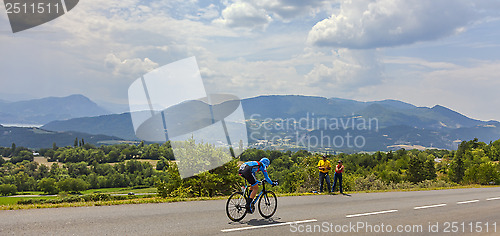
324 167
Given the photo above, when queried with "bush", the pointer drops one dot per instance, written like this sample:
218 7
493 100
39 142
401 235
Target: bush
434 184
85 198
168 190
370 182
22 156
72 185
48 185
8 189
96 197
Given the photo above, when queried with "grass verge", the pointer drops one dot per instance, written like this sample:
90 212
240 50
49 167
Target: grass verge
147 199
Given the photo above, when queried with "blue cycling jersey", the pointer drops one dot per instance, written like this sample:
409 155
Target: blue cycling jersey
256 168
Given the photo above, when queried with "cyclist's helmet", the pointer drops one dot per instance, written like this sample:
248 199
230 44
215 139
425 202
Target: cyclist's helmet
265 161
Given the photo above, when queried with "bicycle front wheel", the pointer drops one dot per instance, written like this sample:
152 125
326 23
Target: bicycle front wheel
235 206
268 204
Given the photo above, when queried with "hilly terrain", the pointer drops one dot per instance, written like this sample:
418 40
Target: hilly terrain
388 112
119 125
40 138
394 123
44 110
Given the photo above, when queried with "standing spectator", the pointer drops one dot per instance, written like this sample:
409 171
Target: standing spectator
338 175
324 167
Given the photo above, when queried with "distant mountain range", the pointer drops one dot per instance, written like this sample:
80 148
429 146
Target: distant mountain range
44 110
40 138
118 125
398 124
388 112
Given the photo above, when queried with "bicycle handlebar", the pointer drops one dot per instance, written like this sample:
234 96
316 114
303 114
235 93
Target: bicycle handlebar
264 181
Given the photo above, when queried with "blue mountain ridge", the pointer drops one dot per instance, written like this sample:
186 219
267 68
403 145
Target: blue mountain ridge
399 123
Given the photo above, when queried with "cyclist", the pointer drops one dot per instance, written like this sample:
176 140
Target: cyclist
248 170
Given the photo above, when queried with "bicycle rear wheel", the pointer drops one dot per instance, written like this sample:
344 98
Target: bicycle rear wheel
235 206
268 204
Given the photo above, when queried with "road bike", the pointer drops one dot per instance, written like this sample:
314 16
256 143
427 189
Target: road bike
267 203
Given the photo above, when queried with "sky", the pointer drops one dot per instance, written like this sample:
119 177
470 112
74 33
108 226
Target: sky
423 52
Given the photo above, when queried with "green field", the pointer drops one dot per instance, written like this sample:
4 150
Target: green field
14 200
120 190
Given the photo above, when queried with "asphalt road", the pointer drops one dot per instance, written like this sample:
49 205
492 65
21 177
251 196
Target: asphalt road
458 211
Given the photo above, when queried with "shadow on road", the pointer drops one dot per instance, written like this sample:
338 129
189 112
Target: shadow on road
345 194
257 222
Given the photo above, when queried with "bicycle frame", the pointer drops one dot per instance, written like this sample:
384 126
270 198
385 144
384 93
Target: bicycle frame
247 194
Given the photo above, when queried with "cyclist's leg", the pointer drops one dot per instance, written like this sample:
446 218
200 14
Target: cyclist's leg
255 190
247 173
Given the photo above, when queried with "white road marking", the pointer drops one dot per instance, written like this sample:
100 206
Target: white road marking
431 206
493 198
271 225
465 202
371 213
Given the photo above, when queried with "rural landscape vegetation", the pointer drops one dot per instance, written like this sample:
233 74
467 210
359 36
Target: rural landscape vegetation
87 173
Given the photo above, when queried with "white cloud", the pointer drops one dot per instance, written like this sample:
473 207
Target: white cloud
260 13
291 9
134 67
419 63
471 90
385 23
100 47
352 70
244 15
209 13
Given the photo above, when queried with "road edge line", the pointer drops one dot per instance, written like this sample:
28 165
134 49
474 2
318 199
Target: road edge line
429 206
466 202
371 213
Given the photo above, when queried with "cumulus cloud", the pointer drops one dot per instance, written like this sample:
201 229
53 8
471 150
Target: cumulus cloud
244 15
290 9
131 67
350 71
366 24
260 13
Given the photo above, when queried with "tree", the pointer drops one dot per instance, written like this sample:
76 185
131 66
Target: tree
42 172
77 169
48 186
415 169
13 149
24 182
162 164
457 167
22 156
72 185
93 180
429 169
113 156
195 158
8 189
75 144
